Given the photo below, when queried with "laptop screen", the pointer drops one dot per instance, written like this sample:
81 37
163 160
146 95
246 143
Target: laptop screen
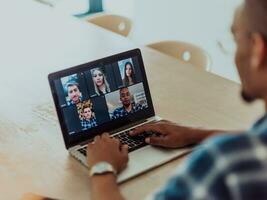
101 96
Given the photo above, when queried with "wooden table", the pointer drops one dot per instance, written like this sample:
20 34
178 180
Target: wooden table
35 41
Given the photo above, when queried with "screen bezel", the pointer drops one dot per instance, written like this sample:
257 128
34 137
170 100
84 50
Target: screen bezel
77 138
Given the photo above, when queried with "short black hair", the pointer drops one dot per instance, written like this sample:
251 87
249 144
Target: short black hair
124 88
256 14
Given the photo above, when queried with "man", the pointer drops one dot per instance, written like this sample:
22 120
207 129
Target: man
89 120
127 106
229 166
73 92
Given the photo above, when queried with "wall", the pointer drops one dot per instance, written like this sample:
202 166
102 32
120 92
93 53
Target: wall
205 23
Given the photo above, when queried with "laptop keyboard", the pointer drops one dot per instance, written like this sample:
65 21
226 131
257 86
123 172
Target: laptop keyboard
133 142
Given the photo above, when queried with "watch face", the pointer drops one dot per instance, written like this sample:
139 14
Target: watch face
102 167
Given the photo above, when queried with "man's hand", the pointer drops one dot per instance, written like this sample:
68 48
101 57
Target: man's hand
109 150
172 135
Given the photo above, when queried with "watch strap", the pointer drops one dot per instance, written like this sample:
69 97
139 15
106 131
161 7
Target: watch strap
102 168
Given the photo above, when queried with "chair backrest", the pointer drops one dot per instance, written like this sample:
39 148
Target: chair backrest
184 51
115 23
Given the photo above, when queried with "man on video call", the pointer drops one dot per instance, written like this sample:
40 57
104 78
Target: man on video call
127 106
89 120
74 94
227 166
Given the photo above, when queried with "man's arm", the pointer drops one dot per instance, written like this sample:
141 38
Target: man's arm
114 114
171 135
106 149
191 180
104 187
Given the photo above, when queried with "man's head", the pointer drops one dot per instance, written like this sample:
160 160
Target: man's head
73 92
250 32
87 112
125 97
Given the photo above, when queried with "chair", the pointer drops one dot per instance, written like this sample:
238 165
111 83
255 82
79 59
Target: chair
184 51
115 23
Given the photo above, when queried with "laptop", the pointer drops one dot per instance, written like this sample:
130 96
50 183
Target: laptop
108 95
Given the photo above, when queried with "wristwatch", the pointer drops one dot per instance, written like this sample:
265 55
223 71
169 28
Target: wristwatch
102 168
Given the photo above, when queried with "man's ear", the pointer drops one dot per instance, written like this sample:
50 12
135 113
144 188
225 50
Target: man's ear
258 51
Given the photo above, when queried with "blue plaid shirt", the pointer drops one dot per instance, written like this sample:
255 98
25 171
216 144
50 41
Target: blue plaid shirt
89 124
121 112
224 167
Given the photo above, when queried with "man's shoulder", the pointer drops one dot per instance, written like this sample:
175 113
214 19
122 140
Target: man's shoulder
220 156
138 106
93 120
230 142
240 161
83 121
118 110
69 102
218 149
232 152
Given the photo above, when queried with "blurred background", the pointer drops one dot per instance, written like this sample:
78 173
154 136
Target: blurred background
205 23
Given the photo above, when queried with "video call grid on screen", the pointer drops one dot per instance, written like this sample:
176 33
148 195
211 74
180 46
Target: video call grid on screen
98 94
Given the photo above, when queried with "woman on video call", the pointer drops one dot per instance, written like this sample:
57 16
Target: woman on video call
129 75
100 82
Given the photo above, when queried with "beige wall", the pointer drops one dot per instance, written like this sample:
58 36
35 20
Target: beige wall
205 23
